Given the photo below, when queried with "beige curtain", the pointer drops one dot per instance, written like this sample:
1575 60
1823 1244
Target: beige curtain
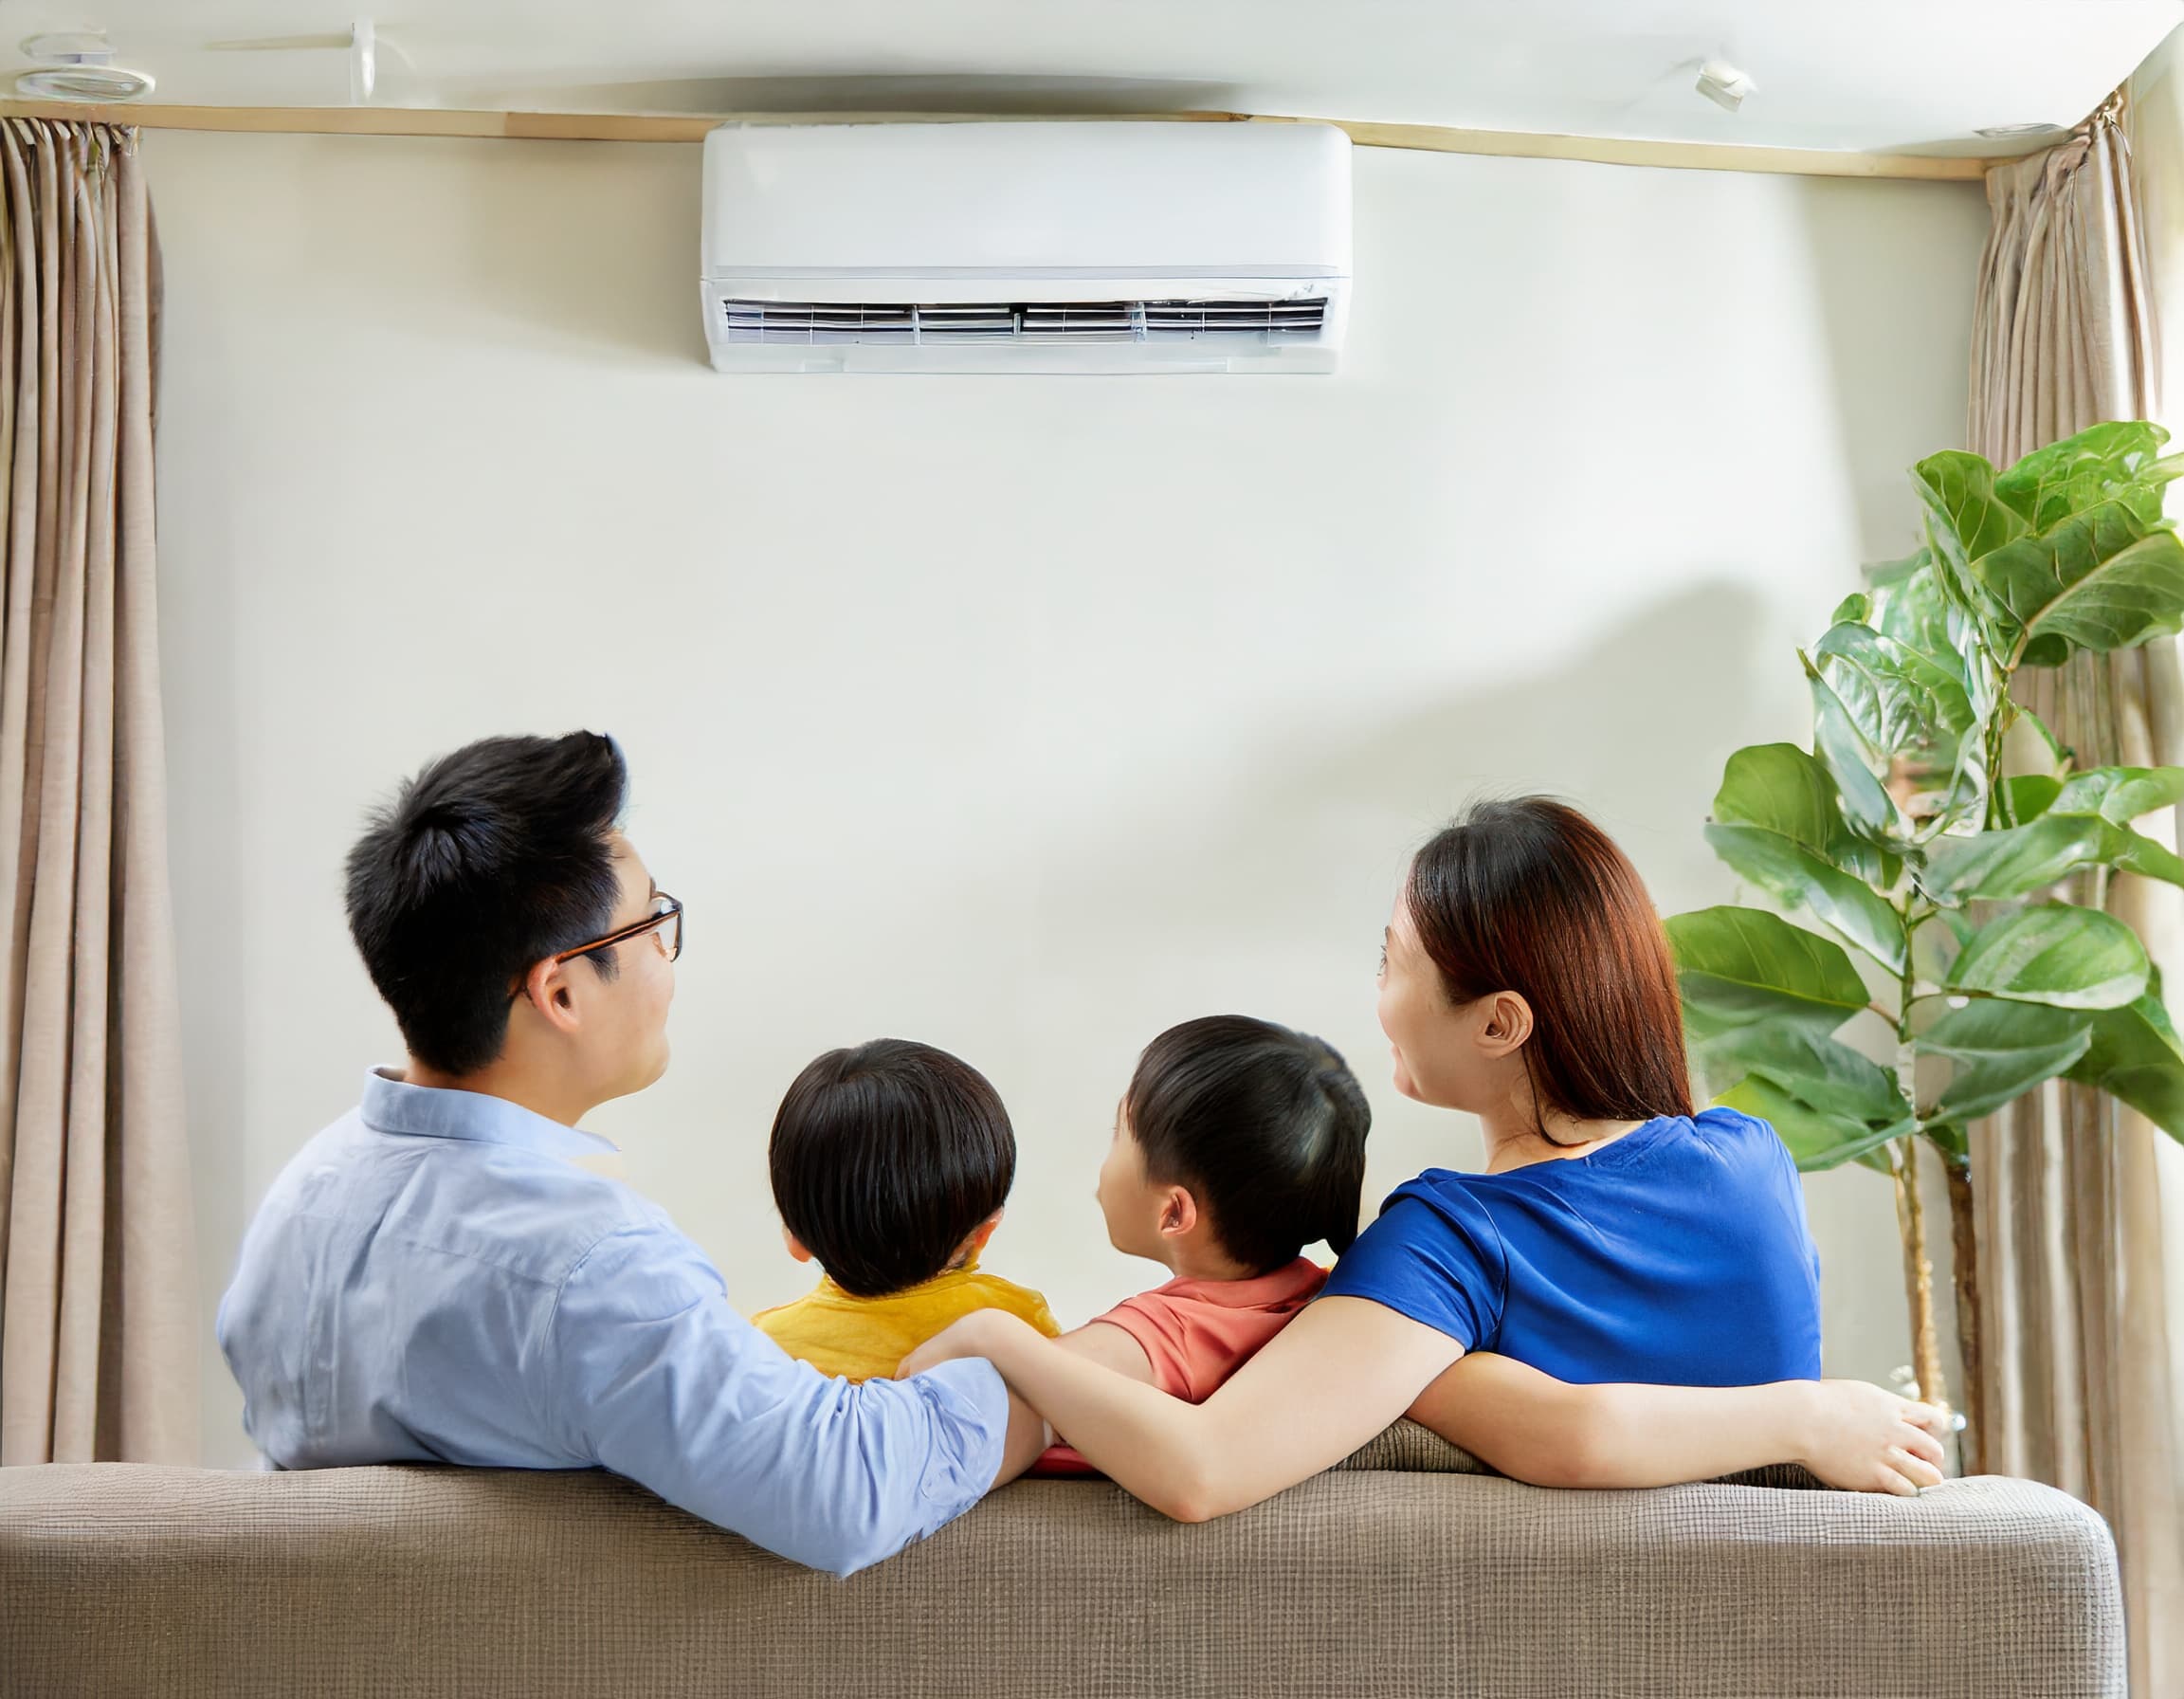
98 1287
2075 1196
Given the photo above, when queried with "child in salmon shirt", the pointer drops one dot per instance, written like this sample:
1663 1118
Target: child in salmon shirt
1238 1143
890 1162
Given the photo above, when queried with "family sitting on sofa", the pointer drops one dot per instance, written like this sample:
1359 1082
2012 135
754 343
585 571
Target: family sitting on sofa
1627 1296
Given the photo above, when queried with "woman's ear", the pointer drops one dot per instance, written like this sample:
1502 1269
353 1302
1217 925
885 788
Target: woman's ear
1507 1024
1178 1211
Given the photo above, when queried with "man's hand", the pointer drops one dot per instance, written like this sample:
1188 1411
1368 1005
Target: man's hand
1870 1440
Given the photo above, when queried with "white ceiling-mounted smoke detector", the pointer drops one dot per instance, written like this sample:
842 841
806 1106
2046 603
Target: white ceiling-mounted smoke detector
79 67
1724 84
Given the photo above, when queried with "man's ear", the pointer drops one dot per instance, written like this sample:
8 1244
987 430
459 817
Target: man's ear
1178 1211
796 1246
546 988
1508 1023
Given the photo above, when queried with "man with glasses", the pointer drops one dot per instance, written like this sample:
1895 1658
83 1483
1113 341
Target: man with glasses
437 1277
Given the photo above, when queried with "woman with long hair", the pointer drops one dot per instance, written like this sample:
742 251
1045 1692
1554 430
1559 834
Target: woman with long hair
1615 1239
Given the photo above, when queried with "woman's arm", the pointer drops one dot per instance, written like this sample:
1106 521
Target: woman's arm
1324 1385
1111 1347
1536 1428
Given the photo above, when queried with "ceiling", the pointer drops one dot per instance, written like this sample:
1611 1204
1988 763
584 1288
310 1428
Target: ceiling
1866 75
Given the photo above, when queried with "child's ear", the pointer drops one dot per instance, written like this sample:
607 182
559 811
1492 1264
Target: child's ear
980 1233
1178 1211
796 1246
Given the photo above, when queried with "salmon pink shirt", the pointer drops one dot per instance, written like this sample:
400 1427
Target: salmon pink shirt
1196 1333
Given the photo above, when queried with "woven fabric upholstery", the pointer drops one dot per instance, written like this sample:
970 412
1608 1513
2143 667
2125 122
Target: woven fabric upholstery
118 1580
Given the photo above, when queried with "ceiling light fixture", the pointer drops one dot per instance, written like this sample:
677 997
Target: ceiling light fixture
1724 84
79 68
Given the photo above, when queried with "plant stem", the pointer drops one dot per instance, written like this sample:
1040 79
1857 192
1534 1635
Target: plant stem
1910 1208
1918 1273
1963 1235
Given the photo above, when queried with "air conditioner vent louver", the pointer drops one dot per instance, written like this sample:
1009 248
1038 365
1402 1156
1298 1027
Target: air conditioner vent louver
1256 322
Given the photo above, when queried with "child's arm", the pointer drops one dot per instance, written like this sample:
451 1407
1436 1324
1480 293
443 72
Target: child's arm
1539 1428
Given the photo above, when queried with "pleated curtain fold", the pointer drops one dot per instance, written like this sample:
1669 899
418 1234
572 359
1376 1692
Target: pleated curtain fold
97 1282
2076 1198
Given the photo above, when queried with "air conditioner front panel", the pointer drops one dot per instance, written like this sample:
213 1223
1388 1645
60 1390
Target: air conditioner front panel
1026 197
1068 245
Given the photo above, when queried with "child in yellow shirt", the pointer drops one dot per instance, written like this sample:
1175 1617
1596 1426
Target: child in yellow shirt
891 1163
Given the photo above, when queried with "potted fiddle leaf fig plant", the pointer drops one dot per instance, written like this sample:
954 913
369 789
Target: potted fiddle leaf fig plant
1958 954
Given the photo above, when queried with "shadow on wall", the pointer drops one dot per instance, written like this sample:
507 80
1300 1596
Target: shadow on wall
1634 728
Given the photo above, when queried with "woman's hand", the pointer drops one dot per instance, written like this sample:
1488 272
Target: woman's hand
980 1334
1871 1440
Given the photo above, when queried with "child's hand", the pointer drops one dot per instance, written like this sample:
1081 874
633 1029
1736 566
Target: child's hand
1866 1438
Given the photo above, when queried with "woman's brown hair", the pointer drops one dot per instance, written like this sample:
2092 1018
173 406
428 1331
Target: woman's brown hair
1530 896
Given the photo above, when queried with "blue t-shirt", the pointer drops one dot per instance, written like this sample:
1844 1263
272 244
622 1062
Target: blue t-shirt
1677 1254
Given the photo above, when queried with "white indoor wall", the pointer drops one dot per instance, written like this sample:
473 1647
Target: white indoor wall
1022 716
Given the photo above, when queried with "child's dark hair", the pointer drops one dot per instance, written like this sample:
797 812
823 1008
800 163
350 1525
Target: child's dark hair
1266 1126
885 1159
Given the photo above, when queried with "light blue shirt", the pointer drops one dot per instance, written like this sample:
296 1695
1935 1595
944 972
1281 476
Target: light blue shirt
432 1278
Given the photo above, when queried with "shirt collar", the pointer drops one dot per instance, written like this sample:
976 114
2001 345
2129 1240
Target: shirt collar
393 1105
944 1281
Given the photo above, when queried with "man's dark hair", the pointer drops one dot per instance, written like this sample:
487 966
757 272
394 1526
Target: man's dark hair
885 1159
491 859
1266 1126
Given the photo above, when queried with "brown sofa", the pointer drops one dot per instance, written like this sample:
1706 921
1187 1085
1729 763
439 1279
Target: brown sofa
1406 1572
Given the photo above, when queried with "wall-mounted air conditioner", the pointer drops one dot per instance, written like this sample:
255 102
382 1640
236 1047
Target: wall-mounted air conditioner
1063 246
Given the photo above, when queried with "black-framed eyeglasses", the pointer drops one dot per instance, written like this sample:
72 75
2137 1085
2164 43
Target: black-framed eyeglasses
664 923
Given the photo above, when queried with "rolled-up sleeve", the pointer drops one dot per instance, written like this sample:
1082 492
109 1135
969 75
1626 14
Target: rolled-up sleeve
649 1372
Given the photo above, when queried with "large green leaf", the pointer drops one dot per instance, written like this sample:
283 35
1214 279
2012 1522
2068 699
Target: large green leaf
2030 795
1904 713
2120 794
1781 789
1999 1050
2018 860
2082 822
2100 579
2135 1057
1820 1071
1859 770
2055 953
1904 702
1737 966
2120 460
1816 1139
1965 518
1792 874
1908 604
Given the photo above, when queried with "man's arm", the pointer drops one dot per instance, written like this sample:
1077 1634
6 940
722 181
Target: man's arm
649 1372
